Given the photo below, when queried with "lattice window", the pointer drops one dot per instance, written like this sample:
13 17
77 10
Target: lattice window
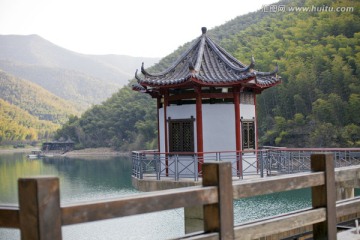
181 135
248 135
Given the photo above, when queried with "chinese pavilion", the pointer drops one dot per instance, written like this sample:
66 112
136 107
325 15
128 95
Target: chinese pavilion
206 101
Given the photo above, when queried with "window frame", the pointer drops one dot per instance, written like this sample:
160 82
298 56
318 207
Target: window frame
248 138
188 122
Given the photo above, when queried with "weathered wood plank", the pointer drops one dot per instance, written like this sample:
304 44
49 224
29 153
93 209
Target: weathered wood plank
249 188
279 224
39 203
142 203
9 217
219 217
347 207
324 196
348 176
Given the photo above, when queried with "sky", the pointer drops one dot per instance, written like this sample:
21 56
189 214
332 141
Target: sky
139 28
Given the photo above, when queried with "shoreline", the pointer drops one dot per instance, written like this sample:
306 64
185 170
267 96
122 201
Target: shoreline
87 152
16 150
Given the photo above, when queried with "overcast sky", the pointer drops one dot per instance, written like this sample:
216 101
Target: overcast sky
146 28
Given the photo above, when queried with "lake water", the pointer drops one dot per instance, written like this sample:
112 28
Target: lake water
85 179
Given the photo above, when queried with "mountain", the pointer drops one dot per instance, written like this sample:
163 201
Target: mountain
35 100
42 85
18 125
82 79
317 104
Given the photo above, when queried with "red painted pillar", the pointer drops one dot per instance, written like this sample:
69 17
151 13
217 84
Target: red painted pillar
158 120
237 130
256 134
166 103
199 128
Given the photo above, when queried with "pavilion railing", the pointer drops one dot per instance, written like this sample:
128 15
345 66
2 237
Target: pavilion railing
293 160
157 165
270 161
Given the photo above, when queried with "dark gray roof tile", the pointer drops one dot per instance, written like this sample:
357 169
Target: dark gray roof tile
209 64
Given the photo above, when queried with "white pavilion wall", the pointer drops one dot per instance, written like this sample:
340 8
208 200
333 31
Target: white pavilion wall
247 111
218 127
218 123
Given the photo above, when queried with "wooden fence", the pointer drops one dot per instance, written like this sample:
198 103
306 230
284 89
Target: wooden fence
40 216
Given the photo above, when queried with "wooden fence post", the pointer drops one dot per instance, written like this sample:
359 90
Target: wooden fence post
219 217
325 196
40 213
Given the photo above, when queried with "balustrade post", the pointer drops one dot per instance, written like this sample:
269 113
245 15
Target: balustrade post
138 165
219 217
176 167
196 173
261 164
40 212
141 165
324 196
269 159
158 166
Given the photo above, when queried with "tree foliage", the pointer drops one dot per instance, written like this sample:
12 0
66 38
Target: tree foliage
18 125
125 121
34 99
318 55
317 104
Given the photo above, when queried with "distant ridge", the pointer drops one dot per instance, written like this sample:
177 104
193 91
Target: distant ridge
82 79
35 100
43 85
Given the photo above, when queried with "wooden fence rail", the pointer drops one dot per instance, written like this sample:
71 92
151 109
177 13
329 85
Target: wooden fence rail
40 216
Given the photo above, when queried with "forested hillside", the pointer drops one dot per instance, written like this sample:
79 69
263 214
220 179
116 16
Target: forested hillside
51 83
317 104
18 125
125 121
35 100
77 87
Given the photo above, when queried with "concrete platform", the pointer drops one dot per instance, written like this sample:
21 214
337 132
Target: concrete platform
149 182
348 235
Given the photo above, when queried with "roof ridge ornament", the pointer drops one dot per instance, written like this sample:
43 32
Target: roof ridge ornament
203 30
252 64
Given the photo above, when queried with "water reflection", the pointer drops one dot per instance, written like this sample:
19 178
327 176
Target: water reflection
82 180
252 208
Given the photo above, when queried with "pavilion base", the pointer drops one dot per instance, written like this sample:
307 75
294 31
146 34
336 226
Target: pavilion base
151 184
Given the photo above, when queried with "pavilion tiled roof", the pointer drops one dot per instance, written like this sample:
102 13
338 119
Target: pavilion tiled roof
207 64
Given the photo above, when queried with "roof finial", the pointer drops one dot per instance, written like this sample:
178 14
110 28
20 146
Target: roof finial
203 30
